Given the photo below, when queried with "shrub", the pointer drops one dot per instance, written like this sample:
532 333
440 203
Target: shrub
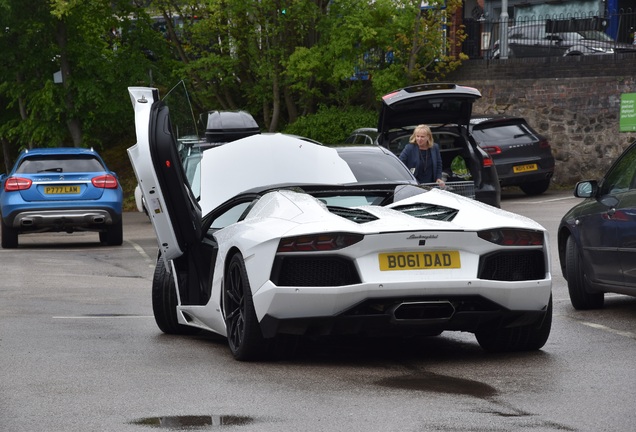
332 125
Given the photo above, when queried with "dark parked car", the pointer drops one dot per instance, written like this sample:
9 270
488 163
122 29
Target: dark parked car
522 156
597 237
60 190
549 39
446 108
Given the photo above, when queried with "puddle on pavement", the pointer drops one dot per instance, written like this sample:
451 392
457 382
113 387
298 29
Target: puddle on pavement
193 422
434 383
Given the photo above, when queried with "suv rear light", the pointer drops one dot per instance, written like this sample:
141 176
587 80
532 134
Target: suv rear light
105 181
544 143
17 183
488 162
493 150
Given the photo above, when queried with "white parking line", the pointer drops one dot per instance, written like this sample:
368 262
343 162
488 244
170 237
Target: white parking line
627 334
143 253
609 329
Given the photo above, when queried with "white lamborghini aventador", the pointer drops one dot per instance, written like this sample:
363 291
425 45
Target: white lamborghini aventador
282 239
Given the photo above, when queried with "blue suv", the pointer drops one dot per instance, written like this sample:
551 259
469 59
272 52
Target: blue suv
60 190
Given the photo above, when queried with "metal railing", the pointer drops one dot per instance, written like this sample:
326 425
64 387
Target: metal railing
552 34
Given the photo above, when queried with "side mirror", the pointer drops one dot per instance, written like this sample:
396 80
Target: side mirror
586 189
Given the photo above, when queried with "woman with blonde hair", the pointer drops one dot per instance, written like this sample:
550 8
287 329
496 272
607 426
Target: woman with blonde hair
422 156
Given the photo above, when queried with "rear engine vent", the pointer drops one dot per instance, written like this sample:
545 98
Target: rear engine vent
512 266
314 271
428 211
353 214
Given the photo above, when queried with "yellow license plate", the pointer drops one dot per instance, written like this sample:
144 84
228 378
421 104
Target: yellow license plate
525 168
419 260
56 190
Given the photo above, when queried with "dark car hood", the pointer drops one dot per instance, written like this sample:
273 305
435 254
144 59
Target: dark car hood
418 104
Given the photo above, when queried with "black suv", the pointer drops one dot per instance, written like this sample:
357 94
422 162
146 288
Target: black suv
522 156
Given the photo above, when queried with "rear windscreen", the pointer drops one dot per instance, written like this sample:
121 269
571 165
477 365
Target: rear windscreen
59 164
376 167
503 132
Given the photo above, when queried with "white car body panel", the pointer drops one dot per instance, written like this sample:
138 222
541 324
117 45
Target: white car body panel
275 159
142 99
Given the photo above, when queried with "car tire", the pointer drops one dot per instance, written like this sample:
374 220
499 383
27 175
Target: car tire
244 335
535 188
522 338
164 302
114 235
9 236
578 287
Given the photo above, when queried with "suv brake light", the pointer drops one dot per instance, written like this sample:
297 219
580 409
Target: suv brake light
493 150
105 181
488 162
17 183
544 143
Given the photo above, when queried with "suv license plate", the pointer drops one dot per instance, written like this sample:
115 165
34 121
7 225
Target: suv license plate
419 260
525 168
56 190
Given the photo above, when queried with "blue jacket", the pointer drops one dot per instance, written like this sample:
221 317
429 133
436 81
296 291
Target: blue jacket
411 158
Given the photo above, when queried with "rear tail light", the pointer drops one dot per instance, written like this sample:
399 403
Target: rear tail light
512 237
105 181
16 184
488 162
544 143
493 150
318 242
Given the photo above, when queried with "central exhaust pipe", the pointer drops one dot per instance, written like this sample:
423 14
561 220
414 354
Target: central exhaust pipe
418 311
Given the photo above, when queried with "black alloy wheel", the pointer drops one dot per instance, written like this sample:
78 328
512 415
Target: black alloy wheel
244 335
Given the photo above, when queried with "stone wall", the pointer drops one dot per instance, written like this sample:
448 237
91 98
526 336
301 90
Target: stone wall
574 101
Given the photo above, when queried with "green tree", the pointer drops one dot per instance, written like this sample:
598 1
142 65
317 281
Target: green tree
238 50
99 48
392 43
